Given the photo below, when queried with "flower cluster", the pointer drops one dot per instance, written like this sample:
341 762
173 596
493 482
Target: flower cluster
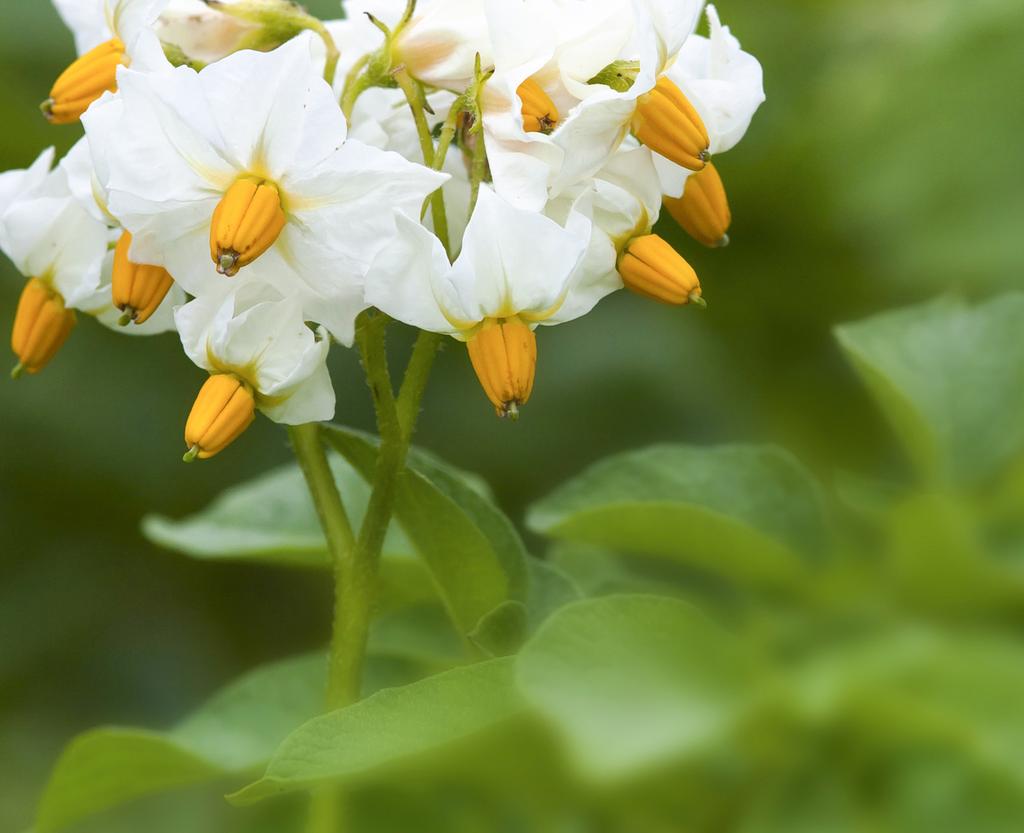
255 178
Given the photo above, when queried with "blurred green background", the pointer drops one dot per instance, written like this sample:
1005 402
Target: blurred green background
884 169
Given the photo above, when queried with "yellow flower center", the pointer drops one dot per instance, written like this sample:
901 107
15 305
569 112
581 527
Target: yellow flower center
651 267
85 80
247 222
137 289
539 112
669 124
224 408
703 210
41 325
504 356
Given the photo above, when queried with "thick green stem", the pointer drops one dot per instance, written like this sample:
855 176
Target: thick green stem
415 382
346 647
414 95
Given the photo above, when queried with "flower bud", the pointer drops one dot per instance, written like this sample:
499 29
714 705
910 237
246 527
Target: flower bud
504 356
201 33
137 289
539 112
41 325
245 224
703 210
668 124
83 82
651 267
224 408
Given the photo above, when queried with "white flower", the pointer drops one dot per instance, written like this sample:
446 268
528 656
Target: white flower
513 264
49 236
564 46
261 336
622 202
186 140
725 84
85 167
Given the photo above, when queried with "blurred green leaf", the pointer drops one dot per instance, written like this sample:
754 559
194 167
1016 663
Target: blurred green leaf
502 631
634 681
939 563
550 589
743 511
390 727
473 552
950 379
232 733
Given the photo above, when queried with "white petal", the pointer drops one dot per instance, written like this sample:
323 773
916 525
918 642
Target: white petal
257 333
514 261
402 279
634 173
724 83
167 147
311 400
47 234
672 21
85 188
595 278
17 184
87 20
273 109
128 19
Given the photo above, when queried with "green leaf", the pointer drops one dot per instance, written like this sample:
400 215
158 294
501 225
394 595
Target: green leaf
232 733
391 727
634 681
422 633
471 549
270 518
743 511
950 379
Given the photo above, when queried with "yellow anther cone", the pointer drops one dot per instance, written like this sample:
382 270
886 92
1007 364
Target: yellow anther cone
651 267
85 80
504 356
703 210
245 224
224 408
539 112
669 124
137 289
41 325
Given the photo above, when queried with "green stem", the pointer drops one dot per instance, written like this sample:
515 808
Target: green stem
415 382
448 132
346 653
414 95
333 55
478 172
354 87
